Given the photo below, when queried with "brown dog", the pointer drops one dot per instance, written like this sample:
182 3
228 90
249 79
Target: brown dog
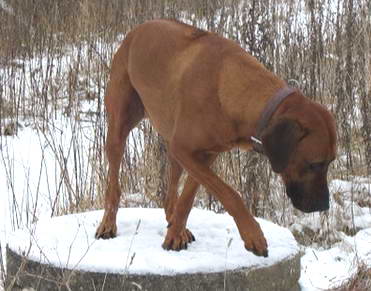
205 95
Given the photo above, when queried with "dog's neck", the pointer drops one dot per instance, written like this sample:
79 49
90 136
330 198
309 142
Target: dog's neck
266 115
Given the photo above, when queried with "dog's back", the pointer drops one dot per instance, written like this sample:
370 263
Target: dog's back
173 66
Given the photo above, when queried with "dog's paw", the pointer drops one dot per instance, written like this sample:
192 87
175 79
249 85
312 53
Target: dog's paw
177 242
255 241
106 230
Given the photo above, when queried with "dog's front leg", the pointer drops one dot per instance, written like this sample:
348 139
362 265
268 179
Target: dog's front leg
249 229
107 228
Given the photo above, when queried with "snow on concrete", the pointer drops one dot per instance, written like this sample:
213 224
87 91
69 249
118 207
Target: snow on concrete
68 241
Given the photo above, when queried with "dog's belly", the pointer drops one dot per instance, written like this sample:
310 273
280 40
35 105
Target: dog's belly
159 98
160 116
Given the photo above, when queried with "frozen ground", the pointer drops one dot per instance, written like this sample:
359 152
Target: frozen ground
30 183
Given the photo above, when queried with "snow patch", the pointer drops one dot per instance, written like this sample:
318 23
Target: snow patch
323 269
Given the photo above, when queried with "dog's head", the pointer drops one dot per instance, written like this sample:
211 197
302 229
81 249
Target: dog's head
300 146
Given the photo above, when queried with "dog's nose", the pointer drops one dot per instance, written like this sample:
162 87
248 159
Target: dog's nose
322 204
324 201
311 205
315 208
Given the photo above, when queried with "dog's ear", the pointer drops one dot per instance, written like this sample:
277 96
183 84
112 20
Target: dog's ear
279 141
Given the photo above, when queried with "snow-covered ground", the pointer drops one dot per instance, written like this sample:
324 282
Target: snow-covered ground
322 269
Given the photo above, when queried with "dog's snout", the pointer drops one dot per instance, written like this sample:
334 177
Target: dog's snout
308 200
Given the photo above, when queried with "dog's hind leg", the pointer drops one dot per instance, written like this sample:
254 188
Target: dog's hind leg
175 172
171 199
124 111
178 236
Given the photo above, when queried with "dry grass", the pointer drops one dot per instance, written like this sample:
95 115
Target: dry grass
361 281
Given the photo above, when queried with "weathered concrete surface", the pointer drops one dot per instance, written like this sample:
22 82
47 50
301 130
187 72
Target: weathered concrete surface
24 273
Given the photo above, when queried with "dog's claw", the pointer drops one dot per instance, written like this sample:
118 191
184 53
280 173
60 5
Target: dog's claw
106 235
262 253
184 245
258 248
166 246
193 237
256 252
